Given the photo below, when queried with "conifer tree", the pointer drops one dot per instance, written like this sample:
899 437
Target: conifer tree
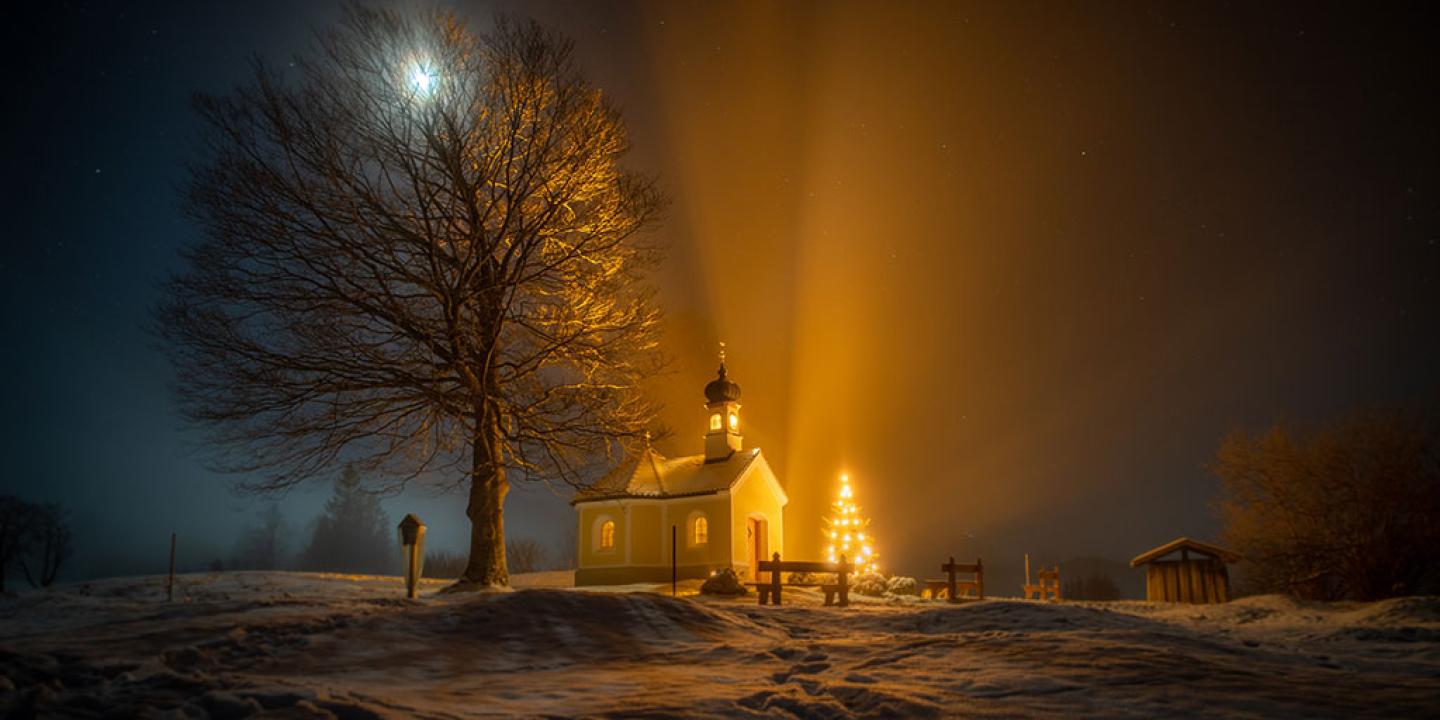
847 533
354 534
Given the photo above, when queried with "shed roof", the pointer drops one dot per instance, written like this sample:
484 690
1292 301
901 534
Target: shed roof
1185 543
652 475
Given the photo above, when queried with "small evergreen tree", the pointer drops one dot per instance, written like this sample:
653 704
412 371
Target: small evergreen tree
354 535
848 534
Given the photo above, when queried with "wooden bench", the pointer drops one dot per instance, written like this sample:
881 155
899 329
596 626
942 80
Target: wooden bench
770 591
957 590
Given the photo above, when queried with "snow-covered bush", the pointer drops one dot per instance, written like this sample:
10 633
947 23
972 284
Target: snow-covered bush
872 584
901 585
806 578
724 582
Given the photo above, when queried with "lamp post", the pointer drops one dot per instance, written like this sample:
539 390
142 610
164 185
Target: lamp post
412 540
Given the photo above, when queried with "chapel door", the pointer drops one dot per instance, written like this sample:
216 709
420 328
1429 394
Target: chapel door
758 532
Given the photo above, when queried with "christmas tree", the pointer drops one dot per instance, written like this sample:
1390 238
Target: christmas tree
848 534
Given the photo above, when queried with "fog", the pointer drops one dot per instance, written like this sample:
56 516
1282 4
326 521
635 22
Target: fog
1015 268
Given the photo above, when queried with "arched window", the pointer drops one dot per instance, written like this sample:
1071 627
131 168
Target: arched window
715 421
697 529
607 535
734 422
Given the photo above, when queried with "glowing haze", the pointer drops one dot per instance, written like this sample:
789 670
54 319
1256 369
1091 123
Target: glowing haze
1016 268
1020 268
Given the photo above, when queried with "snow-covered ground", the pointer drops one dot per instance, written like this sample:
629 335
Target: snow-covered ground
312 645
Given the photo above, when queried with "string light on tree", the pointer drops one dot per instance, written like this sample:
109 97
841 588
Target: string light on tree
848 534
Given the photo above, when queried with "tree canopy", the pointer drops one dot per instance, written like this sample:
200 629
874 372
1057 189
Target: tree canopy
1351 510
421 256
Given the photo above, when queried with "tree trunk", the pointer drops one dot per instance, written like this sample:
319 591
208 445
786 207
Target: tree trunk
486 510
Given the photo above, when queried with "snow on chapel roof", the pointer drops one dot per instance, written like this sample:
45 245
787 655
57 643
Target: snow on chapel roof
652 475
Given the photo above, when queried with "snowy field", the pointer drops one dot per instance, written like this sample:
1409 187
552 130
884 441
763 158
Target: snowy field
312 645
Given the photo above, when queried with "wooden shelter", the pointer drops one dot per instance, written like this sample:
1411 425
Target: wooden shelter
1198 576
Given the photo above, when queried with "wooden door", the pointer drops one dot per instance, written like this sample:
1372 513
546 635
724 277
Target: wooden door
758 532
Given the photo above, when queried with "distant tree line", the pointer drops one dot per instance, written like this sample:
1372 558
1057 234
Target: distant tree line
1096 585
352 535
523 554
1348 511
35 538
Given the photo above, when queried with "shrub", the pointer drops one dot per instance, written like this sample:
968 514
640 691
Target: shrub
524 555
900 585
725 582
444 565
871 584
805 578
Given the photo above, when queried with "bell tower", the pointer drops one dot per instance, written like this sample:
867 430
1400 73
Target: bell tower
722 410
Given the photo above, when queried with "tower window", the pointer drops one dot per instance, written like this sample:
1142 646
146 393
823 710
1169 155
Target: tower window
715 421
734 422
607 535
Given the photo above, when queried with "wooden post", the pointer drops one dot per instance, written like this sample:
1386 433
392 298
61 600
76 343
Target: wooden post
674 564
951 589
775 581
980 577
1027 568
844 582
170 582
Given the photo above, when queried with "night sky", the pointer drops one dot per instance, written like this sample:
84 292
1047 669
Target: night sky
1017 268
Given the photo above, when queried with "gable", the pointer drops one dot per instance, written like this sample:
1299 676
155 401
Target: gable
759 471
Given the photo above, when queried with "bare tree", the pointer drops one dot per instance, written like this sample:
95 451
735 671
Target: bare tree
525 555
263 545
568 550
48 546
421 256
1348 511
16 519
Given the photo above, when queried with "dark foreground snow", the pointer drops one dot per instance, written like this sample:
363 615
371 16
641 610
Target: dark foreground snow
306 645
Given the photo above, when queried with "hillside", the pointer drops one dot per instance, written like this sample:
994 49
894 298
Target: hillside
306 645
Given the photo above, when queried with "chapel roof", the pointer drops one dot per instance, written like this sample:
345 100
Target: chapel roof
652 475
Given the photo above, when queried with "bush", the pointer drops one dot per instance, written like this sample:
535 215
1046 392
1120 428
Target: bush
444 565
524 555
900 585
725 582
871 584
805 578
1344 512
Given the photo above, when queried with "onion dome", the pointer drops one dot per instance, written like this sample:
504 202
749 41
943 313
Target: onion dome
721 389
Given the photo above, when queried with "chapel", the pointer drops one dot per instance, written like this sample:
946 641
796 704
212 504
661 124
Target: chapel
724 507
